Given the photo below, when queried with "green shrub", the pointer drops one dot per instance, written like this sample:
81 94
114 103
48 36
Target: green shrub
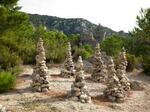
88 48
8 59
131 62
15 70
85 54
27 53
112 45
85 51
82 52
146 65
7 81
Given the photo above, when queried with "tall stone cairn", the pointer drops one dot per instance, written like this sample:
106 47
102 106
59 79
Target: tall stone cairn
121 70
68 69
114 91
78 88
40 71
99 69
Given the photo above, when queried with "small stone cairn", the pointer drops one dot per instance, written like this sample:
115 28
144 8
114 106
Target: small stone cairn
40 71
121 70
114 91
99 69
78 88
68 69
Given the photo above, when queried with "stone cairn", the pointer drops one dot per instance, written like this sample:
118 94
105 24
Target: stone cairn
68 69
78 88
121 70
99 69
114 91
40 71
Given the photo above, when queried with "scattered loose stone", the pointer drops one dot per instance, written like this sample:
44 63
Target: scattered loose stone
2 108
79 90
115 106
99 69
68 69
137 86
40 71
121 71
114 91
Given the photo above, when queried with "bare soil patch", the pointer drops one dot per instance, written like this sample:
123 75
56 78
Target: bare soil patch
23 99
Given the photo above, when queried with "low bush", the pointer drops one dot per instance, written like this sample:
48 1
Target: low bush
146 65
85 54
7 81
132 62
15 70
85 51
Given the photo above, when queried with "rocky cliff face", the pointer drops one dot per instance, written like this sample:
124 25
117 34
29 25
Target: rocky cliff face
89 32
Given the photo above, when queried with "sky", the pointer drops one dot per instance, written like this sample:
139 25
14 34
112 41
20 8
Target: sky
115 14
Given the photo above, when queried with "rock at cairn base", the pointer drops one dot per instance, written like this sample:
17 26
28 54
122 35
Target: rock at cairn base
68 70
121 71
2 109
78 88
137 86
40 71
114 91
99 69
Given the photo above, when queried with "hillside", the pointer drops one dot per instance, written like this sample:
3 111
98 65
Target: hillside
74 26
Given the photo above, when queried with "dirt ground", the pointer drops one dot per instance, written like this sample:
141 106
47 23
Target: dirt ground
22 99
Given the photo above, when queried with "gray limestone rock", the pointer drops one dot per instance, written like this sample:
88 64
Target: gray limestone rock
137 86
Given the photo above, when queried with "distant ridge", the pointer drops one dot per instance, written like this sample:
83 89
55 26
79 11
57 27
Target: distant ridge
88 31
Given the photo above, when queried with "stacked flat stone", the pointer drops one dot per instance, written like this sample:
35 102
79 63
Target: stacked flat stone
99 68
121 70
68 69
78 88
40 82
114 91
2 108
104 57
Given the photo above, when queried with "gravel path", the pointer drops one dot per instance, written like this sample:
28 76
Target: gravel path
22 99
